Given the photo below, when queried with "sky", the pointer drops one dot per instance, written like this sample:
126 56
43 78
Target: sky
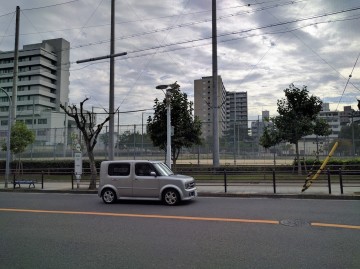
263 47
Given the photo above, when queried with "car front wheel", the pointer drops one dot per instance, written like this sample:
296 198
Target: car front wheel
171 197
109 196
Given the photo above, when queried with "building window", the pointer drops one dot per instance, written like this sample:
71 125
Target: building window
41 132
4 122
42 121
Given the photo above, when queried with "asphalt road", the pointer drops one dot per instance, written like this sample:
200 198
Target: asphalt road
49 230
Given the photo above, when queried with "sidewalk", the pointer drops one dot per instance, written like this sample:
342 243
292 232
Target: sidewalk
288 190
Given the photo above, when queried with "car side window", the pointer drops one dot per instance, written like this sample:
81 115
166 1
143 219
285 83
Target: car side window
119 169
143 169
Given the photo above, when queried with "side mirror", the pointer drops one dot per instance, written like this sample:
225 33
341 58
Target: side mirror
153 173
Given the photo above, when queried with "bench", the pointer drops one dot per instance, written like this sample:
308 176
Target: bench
31 182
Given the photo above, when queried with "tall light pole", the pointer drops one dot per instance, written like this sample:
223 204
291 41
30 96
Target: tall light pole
8 152
170 88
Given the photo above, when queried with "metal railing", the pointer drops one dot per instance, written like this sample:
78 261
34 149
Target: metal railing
267 178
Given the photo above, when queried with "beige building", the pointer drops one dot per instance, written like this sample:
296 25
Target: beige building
203 105
42 85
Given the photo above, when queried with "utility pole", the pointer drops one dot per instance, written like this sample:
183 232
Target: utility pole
111 90
216 161
112 71
15 70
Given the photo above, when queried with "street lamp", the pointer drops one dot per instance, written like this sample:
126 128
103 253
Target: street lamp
8 156
170 88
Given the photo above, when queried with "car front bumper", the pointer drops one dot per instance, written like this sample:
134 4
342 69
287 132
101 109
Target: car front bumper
190 194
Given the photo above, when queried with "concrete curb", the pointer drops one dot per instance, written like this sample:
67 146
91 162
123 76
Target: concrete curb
281 196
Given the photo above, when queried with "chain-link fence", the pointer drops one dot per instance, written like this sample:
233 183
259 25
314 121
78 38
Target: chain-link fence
132 142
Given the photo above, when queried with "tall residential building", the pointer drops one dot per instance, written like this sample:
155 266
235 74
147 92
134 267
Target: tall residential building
236 110
257 127
203 105
42 85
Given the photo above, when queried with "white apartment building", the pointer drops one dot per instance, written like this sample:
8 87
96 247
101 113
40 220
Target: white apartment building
336 119
203 105
42 85
236 110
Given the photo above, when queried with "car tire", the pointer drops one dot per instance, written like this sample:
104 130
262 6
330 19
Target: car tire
171 197
108 196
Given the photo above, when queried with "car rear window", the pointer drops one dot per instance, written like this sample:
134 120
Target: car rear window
119 169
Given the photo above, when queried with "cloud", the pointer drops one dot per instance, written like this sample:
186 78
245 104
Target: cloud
170 41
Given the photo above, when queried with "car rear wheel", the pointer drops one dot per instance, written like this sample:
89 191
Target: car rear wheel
171 197
108 196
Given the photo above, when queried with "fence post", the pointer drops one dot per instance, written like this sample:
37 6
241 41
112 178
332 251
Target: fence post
225 181
42 179
341 182
329 181
72 181
274 180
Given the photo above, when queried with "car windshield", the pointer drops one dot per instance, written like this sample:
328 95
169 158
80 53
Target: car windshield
163 169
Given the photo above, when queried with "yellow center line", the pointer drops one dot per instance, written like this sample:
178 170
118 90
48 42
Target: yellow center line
141 216
335 225
315 224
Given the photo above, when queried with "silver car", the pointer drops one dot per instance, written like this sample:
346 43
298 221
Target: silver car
143 180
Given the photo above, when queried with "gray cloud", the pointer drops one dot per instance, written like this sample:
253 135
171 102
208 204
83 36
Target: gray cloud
262 62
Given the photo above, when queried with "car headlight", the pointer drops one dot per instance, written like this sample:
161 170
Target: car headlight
189 185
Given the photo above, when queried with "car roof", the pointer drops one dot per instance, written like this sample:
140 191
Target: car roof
132 161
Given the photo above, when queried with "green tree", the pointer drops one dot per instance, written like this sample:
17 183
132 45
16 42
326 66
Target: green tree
298 117
347 133
84 121
187 129
21 137
321 128
344 148
128 138
271 136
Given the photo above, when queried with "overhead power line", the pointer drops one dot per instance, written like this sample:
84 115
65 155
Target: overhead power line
167 28
204 44
225 34
347 82
51 5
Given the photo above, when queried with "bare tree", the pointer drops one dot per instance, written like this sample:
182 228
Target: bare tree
85 122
